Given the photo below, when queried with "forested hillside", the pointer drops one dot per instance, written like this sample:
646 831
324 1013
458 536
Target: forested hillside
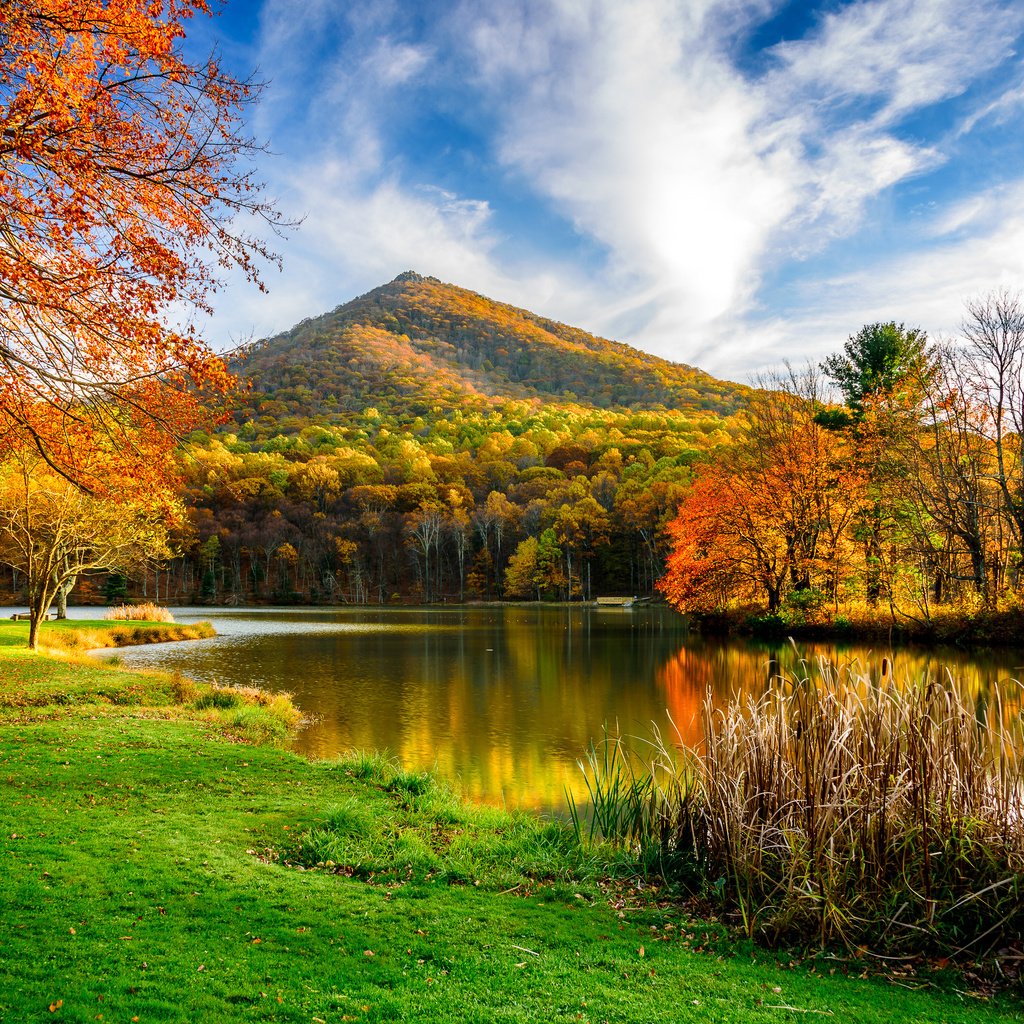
423 442
418 346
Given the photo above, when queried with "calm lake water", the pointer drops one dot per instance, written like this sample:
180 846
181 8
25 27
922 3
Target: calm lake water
506 699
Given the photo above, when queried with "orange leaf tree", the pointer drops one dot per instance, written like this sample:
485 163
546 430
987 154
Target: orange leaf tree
123 169
705 568
773 518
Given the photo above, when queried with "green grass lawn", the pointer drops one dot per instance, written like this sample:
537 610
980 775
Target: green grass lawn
154 867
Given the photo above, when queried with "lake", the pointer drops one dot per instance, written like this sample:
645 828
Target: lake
506 699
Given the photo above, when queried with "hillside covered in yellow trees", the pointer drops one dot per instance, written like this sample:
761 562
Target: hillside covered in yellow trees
419 346
423 442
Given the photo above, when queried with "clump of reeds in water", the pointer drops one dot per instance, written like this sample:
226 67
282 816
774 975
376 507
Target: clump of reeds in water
145 612
837 810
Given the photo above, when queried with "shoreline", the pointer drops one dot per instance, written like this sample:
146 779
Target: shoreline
126 634
966 630
945 628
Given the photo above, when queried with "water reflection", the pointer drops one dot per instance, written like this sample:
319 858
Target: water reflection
507 699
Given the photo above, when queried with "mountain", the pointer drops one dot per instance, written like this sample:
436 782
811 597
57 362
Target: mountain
419 347
423 442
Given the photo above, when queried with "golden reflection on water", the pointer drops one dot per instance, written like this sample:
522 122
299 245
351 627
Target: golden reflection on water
507 700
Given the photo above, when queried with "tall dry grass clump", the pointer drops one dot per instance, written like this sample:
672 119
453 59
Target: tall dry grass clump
838 810
146 612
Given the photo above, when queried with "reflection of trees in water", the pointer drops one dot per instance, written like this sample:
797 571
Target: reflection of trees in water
507 706
731 670
686 677
507 699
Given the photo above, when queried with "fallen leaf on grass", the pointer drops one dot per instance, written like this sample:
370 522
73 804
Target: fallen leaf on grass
54 1007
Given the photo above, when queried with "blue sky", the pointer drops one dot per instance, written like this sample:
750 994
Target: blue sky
727 183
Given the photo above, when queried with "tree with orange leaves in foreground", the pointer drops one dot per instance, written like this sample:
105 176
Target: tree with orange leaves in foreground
123 172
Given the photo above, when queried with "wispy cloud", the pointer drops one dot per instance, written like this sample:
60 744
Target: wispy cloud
901 54
632 121
977 248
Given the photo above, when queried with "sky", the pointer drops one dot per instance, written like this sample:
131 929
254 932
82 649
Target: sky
725 183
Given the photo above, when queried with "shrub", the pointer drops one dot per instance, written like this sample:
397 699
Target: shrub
183 689
771 624
806 601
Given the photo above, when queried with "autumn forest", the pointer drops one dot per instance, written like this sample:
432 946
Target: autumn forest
423 443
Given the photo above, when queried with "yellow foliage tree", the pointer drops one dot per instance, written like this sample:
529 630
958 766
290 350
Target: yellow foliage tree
53 532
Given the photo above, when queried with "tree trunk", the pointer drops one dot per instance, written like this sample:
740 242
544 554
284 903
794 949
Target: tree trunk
979 571
61 590
38 606
873 563
33 630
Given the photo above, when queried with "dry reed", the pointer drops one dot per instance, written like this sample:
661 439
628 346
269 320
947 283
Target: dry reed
146 612
837 810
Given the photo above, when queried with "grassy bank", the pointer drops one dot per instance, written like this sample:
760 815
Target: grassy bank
155 869
85 634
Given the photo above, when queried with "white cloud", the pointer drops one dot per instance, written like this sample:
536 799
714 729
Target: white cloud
857 166
635 122
980 247
904 54
397 63
1000 111
630 119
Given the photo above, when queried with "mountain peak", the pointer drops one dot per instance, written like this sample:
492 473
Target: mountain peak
420 347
